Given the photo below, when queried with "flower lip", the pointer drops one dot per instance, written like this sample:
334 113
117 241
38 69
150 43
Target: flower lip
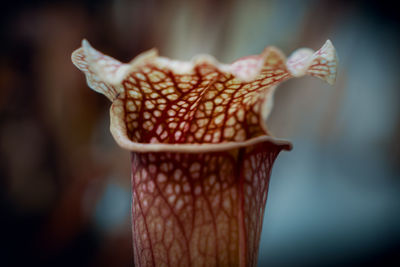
118 130
202 105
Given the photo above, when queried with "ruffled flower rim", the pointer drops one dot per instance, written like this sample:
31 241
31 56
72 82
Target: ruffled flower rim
245 69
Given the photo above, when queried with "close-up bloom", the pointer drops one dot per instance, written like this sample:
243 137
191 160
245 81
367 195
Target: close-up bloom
201 150
182 167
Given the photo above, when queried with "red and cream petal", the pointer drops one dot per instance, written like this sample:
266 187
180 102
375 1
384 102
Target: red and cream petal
160 103
201 152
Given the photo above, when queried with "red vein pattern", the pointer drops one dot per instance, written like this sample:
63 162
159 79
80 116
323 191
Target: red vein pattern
201 152
200 209
203 106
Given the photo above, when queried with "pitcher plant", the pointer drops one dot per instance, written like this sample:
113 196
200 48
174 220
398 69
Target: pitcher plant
201 152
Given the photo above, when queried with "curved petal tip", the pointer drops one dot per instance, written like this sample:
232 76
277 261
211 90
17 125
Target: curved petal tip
322 63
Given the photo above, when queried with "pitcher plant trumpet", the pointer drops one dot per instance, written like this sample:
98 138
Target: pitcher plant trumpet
201 151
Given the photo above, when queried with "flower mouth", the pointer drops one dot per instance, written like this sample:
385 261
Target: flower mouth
197 106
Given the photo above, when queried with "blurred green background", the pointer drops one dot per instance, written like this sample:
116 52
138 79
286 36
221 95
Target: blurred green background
65 188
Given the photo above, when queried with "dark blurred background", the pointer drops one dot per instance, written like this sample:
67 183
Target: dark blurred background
65 188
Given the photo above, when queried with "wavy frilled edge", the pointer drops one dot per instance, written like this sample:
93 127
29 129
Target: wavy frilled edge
106 75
